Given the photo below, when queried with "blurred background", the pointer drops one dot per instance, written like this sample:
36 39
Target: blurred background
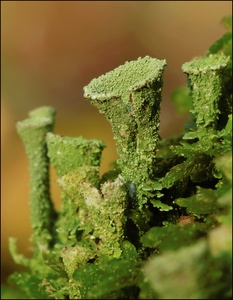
52 49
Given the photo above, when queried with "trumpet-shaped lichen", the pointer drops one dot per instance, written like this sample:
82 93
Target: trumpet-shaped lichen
130 97
67 153
207 78
33 133
158 225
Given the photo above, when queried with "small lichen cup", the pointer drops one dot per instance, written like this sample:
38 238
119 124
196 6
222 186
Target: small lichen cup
130 97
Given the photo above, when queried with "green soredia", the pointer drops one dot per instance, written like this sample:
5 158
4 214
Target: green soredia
156 226
73 218
107 215
67 153
79 159
33 132
130 97
206 78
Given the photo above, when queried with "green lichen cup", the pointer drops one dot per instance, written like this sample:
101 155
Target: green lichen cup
130 97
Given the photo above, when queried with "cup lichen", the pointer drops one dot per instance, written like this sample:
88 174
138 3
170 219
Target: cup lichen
33 133
206 79
67 153
129 97
147 229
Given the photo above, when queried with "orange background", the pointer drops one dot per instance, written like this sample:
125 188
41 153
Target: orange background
51 49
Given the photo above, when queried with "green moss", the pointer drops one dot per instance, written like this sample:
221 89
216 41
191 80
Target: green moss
159 224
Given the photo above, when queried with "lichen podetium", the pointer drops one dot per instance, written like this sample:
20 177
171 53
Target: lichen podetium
68 154
129 97
33 133
207 77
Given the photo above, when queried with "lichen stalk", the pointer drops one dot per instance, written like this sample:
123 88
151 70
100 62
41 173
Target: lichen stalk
108 216
80 159
33 132
73 217
100 213
66 153
129 97
206 79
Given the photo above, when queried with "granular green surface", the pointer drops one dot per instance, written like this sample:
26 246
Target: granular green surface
157 226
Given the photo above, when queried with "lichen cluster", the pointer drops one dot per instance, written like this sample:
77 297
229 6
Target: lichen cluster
157 226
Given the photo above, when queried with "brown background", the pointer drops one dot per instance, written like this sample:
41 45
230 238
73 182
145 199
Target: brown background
51 49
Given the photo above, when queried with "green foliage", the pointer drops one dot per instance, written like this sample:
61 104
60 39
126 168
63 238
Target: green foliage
173 237
158 225
107 279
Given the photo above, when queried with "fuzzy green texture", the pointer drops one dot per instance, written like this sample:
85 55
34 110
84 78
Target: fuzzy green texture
67 153
157 226
81 156
207 78
100 212
70 224
129 97
33 132
108 216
